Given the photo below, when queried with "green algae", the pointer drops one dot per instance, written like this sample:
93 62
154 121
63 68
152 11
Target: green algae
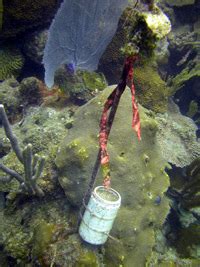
79 151
83 84
11 62
87 259
93 81
42 237
193 109
186 75
16 244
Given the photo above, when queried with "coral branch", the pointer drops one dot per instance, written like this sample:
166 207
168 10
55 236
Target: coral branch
33 164
9 134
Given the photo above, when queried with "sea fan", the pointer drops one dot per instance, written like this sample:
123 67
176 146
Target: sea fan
80 33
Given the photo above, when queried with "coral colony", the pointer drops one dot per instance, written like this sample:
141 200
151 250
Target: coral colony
33 164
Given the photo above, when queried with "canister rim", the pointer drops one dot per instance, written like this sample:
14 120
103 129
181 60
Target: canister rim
111 190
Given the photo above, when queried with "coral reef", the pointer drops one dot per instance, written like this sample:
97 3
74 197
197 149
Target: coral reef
181 70
27 224
137 170
184 190
41 235
28 228
150 229
43 127
11 62
71 252
157 22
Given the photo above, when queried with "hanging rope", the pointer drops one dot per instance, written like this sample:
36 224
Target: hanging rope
106 122
105 127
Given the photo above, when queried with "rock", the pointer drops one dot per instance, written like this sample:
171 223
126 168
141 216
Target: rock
30 92
9 97
20 18
34 46
176 136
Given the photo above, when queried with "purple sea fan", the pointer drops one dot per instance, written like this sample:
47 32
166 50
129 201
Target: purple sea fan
79 34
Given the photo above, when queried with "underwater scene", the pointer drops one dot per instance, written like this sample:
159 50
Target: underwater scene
100 133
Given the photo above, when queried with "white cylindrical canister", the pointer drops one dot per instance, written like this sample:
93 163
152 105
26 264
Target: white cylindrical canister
99 215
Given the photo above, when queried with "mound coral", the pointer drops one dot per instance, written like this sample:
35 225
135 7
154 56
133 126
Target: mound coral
137 170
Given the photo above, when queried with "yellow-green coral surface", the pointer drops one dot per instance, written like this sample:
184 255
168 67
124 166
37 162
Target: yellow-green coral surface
151 90
137 171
